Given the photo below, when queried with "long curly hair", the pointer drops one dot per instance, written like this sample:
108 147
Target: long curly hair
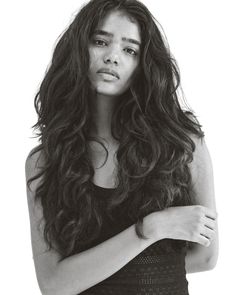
153 130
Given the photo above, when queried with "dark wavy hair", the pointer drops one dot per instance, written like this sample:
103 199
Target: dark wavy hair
153 130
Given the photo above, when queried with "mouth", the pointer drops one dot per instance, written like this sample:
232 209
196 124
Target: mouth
109 72
108 77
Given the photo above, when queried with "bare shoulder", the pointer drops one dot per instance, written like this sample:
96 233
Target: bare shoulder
201 151
201 170
201 156
32 168
33 164
34 161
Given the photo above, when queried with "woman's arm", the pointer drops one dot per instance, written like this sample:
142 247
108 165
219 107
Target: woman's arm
200 258
83 270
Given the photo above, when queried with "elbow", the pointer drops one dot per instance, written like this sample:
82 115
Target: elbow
211 262
57 286
200 267
46 290
48 287
200 263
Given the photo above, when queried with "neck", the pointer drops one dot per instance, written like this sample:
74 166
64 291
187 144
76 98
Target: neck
102 110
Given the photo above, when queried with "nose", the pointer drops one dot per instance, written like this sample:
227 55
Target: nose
111 57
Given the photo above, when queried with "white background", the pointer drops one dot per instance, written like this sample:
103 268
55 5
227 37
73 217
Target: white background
201 37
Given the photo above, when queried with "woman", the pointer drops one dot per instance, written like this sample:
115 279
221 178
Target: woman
120 187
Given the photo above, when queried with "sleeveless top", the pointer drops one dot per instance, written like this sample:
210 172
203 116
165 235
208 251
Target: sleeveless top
158 270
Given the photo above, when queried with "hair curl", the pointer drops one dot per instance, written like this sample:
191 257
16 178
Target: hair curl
149 123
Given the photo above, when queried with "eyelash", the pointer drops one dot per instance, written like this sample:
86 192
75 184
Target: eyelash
95 40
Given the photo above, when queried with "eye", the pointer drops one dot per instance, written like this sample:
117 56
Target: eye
99 42
131 51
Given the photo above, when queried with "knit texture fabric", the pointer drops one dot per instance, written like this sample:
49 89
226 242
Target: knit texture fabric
158 270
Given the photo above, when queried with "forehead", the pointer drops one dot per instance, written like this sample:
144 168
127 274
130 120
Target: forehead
120 23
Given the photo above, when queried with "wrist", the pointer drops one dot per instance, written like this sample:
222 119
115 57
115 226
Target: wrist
153 227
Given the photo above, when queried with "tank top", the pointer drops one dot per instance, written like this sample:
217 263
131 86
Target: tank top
158 270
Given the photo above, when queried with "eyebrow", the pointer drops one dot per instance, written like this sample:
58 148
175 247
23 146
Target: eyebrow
104 33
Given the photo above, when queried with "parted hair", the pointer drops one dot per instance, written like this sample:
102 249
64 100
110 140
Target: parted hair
153 130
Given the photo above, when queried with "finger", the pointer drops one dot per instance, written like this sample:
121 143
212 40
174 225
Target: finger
210 213
208 233
210 223
203 240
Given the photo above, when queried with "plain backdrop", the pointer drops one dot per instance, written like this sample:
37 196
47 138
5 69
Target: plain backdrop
201 36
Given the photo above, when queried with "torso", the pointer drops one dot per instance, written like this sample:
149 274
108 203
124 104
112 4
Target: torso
104 175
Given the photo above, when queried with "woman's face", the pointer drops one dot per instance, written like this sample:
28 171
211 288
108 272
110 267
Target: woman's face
114 46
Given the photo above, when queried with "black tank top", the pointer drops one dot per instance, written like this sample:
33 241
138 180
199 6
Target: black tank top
158 270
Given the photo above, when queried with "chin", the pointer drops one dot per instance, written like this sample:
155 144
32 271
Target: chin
108 92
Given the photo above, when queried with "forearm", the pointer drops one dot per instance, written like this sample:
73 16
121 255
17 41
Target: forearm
85 269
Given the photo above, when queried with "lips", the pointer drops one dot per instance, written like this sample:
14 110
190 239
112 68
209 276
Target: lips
110 72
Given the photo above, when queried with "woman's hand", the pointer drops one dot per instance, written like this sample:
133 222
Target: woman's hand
191 223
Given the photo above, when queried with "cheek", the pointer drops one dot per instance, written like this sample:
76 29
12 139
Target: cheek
132 72
93 58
